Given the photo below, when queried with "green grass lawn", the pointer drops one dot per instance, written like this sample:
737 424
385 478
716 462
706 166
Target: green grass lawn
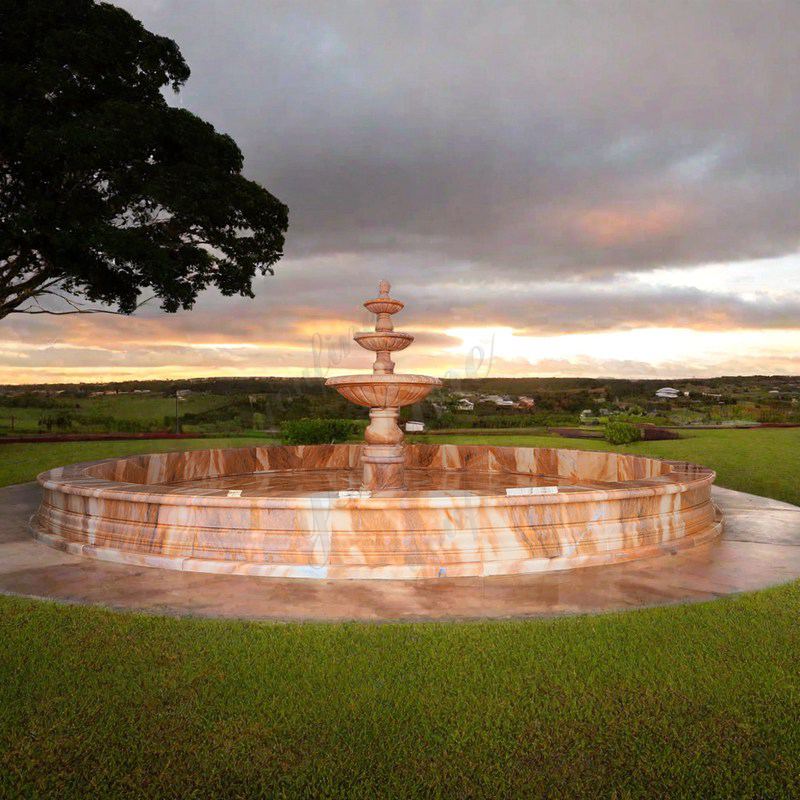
23 462
763 461
695 702
699 701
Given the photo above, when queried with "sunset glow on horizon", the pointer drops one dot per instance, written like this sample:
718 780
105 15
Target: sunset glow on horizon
295 344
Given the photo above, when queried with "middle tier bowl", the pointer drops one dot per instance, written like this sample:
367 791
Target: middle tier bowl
387 341
383 391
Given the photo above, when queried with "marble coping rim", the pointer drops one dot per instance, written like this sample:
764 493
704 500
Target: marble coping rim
74 480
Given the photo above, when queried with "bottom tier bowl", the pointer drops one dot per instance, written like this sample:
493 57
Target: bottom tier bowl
384 391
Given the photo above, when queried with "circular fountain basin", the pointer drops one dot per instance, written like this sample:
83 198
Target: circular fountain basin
277 511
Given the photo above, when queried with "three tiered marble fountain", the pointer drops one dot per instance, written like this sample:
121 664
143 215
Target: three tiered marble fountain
383 509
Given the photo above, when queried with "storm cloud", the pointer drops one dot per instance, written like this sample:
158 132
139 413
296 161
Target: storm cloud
537 138
510 164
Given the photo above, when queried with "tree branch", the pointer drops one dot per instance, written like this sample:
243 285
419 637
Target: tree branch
75 310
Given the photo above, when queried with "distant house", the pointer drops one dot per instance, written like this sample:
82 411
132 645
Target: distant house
415 427
526 402
667 393
496 400
465 405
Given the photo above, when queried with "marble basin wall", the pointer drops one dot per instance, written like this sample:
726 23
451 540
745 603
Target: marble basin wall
133 510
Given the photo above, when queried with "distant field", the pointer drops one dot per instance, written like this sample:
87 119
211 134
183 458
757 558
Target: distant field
137 408
148 406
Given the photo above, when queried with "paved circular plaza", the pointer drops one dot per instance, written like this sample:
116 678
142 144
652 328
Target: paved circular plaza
760 547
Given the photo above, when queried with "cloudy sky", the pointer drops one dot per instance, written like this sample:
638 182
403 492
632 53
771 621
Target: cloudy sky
553 188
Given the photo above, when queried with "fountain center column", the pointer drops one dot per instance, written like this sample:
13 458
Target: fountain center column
383 457
384 393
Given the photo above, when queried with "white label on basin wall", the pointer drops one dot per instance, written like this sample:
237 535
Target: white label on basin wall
234 492
516 490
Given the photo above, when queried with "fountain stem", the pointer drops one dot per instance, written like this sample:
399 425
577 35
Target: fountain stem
383 457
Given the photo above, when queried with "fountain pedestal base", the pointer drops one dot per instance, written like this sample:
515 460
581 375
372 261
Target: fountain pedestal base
383 457
383 468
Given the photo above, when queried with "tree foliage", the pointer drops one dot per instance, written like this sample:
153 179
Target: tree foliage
106 191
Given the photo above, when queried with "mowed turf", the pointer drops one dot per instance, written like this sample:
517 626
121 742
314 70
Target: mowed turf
697 701
700 701
763 461
23 462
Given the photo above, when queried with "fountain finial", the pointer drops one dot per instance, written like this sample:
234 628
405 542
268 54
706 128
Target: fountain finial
383 288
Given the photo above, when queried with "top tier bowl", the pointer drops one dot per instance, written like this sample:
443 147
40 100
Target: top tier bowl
383 305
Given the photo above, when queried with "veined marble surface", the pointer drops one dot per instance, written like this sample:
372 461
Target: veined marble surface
172 510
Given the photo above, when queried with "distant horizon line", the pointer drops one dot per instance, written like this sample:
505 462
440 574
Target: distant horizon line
197 379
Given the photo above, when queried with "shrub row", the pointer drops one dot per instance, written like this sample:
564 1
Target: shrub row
618 432
318 431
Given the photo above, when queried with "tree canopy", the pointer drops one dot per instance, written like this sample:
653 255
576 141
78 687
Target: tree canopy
107 192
